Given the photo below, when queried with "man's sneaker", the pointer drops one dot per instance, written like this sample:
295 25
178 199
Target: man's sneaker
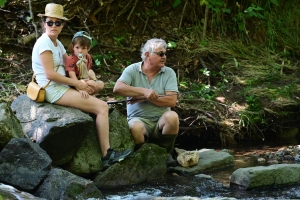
113 157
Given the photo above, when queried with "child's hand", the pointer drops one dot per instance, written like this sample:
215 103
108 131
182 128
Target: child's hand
84 94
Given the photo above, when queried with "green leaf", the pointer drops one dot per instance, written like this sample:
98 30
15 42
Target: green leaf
98 62
176 3
171 45
94 42
204 2
275 2
2 3
226 10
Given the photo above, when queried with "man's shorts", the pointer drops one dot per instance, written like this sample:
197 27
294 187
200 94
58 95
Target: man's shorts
55 91
152 128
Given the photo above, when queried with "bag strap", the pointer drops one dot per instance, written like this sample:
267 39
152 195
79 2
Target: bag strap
33 77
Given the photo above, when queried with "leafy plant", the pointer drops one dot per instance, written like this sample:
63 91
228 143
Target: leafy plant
2 2
216 5
119 40
100 58
171 45
176 3
250 12
253 102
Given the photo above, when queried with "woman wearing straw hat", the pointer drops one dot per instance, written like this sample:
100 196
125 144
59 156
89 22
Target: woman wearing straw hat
48 58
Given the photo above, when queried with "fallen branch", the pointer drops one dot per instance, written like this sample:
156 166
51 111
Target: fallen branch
32 19
183 11
132 10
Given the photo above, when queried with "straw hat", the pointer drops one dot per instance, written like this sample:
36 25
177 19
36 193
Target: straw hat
54 10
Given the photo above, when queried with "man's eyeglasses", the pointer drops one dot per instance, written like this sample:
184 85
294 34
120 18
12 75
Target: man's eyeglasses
57 23
161 53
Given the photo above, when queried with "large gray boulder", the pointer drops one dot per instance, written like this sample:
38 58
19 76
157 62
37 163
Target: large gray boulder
59 130
266 176
10 126
23 164
61 184
87 159
209 160
147 163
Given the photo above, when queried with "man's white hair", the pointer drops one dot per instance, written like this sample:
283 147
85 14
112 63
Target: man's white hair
151 45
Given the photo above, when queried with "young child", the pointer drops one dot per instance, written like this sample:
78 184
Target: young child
79 63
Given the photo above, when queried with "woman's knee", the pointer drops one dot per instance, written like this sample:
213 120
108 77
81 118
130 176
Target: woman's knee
101 106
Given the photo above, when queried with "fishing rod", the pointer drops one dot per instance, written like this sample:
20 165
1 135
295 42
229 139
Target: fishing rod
128 100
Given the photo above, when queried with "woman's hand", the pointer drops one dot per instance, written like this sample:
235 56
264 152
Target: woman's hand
92 83
82 85
84 94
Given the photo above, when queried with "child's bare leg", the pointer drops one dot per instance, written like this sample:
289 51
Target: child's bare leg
91 74
97 86
100 85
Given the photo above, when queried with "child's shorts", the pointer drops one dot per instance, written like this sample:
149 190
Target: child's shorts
55 91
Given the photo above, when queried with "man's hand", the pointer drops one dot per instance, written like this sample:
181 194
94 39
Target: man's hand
150 94
134 100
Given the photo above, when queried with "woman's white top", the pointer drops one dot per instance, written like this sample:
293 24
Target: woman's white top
43 44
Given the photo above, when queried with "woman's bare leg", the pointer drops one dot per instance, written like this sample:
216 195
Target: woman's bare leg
72 98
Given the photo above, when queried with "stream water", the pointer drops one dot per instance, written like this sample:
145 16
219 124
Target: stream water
192 186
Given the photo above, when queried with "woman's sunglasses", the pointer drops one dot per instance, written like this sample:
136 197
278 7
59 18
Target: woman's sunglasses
57 23
161 53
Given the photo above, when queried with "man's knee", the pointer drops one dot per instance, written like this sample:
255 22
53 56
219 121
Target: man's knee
171 118
171 115
137 127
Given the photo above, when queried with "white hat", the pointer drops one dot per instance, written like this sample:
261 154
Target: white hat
54 10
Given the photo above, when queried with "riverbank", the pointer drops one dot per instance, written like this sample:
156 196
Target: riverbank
176 187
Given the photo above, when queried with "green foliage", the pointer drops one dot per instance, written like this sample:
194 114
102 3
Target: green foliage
198 90
94 42
171 45
5 76
119 40
253 102
218 6
100 58
176 3
252 11
2 2
155 2
205 72
288 91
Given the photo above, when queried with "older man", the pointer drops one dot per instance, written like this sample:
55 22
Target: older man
151 89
